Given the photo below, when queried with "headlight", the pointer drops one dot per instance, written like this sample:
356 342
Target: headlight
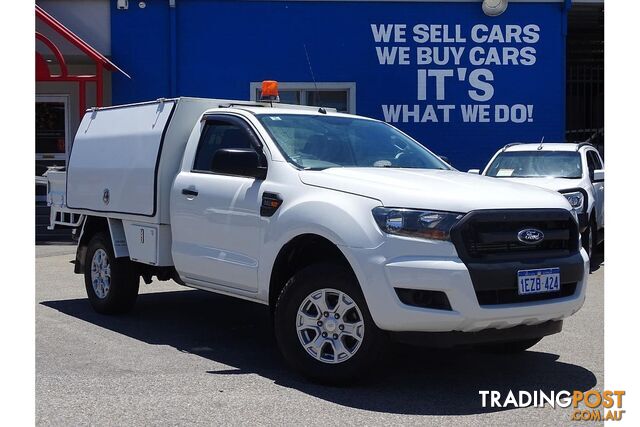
416 223
576 199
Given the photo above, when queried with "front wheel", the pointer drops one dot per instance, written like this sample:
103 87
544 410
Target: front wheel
111 283
323 326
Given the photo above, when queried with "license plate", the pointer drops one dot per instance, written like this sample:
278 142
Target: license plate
538 281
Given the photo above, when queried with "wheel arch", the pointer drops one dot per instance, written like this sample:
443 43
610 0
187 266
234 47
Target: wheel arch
593 216
593 220
299 252
96 224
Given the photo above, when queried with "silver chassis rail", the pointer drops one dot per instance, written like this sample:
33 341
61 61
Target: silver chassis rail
62 216
54 180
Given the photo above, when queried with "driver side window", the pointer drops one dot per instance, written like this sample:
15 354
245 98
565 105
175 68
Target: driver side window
593 162
216 135
596 160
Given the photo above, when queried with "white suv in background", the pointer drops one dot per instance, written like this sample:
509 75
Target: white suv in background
574 169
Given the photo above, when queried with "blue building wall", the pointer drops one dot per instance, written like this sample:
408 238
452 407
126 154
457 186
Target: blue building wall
216 48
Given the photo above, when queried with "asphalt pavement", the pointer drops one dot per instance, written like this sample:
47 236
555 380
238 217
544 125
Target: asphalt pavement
188 357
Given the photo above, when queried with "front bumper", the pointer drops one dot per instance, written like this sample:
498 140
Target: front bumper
436 266
457 338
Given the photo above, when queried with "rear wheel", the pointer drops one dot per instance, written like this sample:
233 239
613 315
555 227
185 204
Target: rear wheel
511 347
111 283
323 326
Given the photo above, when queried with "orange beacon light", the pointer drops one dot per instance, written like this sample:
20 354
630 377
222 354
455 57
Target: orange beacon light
269 91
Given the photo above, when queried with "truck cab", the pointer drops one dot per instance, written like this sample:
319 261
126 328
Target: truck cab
354 234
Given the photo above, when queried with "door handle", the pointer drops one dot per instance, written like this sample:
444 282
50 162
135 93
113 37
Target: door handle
189 192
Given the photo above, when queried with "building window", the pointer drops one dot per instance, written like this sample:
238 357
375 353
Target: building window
52 131
338 95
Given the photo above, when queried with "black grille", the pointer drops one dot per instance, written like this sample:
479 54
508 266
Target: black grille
487 242
509 296
494 234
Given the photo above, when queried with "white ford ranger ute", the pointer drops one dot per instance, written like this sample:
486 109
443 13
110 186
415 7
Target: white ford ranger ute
354 234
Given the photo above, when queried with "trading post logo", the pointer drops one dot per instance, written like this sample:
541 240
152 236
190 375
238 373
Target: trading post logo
592 405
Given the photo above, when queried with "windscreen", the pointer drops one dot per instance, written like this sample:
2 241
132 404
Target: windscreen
323 141
534 164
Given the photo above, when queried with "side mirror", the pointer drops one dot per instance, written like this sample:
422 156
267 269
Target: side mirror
598 175
239 161
474 171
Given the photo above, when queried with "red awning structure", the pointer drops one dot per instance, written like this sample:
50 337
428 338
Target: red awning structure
43 72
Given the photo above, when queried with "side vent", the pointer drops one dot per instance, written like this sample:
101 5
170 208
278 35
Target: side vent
270 204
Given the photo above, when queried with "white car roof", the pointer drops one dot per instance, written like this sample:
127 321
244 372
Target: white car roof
552 146
287 109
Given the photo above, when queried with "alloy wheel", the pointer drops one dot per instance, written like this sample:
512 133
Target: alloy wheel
330 325
100 273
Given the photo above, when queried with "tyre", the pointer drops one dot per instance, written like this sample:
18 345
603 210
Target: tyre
511 347
111 283
323 327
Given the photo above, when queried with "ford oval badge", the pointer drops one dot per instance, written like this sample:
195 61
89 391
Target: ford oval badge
530 236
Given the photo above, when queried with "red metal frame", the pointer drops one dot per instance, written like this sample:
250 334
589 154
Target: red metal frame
43 73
